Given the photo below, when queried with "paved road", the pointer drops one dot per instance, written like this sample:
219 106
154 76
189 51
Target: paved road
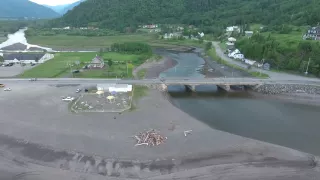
169 81
275 75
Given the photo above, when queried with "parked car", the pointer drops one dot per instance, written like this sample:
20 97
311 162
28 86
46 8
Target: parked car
33 79
2 85
7 89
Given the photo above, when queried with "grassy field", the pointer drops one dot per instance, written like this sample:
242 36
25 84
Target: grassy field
64 63
69 42
82 42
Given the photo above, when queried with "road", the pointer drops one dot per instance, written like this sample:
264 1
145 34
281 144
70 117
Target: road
168 81
274 75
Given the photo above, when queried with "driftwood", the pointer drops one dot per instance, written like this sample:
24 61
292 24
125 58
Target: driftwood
149 138
187 132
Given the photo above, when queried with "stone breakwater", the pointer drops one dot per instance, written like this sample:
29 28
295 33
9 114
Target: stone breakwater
288 88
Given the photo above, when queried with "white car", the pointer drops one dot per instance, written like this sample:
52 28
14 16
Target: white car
78 90
7 89
68 99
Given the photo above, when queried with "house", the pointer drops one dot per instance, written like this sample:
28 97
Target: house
172 35
313 33
231 29
248 33
114 87
104 87
27 58
201 34
96 63
232 39
121 88
230 45
233 53
239 56
249 62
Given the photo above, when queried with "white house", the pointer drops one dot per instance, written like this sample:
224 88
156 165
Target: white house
248 33
232 39
238 56
233 53
121 88
201 34
27 58
233 29
250 62
114 87
230 45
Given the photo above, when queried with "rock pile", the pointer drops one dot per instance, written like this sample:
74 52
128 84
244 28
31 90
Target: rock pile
288 88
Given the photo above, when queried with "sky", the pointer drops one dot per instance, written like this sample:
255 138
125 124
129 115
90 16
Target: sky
54 2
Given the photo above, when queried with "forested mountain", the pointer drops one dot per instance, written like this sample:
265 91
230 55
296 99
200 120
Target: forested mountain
123 13
24 8
62 9
70 7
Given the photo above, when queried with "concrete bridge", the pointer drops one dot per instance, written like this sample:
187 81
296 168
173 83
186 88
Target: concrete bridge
190 83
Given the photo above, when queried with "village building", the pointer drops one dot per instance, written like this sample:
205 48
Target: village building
96 63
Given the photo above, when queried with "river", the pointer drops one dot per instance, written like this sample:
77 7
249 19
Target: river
279 122
19 37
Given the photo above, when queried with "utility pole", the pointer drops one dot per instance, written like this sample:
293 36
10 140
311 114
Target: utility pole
127 70
308 67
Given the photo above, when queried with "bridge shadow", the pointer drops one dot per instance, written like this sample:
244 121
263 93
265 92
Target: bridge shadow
205 90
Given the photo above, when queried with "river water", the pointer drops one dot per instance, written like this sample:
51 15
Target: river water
288 124
19 37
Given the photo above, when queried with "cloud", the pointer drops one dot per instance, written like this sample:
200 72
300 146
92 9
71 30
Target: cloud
54 2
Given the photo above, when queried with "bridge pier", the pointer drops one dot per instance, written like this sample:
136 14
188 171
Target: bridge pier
191 88
225 87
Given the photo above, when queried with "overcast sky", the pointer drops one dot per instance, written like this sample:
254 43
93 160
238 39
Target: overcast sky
53 2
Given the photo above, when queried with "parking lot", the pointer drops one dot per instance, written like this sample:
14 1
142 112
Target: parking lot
14 70
106 102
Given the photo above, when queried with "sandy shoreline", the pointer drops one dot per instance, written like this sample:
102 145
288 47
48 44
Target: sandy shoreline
46 133
155 68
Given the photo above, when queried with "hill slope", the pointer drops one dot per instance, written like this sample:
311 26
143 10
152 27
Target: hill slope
70 7
24 8
113 14
58 9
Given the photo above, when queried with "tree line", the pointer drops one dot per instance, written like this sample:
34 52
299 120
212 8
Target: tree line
282 55
211 16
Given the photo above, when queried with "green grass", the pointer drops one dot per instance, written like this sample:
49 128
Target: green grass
69 42
212 53
139 91
83 42
58 67
142 73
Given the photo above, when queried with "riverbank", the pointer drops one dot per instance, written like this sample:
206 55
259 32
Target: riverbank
152 67
102 143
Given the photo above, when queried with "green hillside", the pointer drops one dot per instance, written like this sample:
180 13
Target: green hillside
117 14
